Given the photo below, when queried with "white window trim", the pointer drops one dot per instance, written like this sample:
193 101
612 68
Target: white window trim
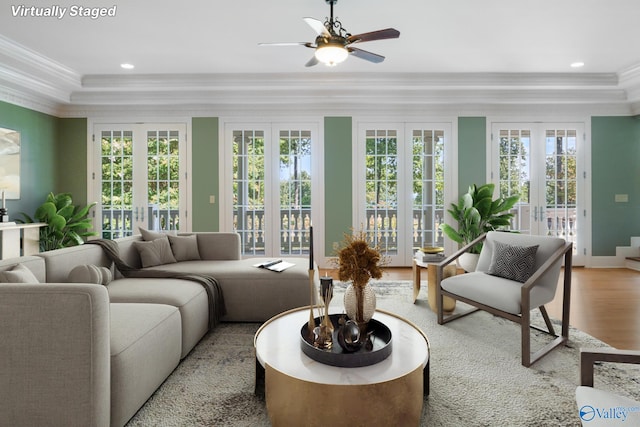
92 122
585 170
450 160
316 125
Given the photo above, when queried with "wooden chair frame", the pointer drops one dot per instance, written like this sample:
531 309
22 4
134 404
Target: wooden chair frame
588 357
524 319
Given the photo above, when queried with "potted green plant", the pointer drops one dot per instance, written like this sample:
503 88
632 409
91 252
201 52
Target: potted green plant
477 213
67 224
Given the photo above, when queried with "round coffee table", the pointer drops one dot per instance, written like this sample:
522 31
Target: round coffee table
301 391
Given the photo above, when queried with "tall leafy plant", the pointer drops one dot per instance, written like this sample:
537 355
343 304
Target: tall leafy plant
67 224
477 213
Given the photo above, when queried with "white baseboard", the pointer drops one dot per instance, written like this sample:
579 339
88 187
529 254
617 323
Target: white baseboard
607 262
633 265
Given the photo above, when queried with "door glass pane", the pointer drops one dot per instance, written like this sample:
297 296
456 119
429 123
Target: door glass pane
116 159
428 187
515 174
295 191
381 184
249 189
560 183
163 173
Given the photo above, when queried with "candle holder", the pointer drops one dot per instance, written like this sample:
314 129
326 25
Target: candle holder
323 333
4 215
326 288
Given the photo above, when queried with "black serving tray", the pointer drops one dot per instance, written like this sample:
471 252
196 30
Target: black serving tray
336 356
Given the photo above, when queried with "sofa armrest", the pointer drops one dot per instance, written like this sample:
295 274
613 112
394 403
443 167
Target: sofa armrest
588 357
54 357
219 246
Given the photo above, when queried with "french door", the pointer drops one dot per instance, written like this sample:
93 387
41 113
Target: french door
543 163
269 187
139 177
400 186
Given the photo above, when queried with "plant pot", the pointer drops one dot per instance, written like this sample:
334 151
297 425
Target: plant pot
468 262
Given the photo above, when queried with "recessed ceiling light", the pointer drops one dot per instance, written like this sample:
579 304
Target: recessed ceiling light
127 66
577 64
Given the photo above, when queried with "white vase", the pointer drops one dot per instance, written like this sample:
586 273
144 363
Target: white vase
468 262
368 297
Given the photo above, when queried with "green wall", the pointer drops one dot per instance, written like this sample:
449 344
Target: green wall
54 153
38 168
615 168
472 152
205 176
338 197
71 159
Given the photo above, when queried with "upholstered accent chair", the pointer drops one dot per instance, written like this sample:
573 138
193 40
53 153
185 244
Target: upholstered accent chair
516 273
598 407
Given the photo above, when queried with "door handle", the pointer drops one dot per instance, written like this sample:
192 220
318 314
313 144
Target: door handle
142 214
535 213
136 214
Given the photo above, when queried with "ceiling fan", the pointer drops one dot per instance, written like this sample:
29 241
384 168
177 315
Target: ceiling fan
333 43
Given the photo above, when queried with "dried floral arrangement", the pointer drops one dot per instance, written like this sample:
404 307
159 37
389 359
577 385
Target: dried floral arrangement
357 261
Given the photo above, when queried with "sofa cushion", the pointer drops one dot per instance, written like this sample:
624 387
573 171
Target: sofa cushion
503 294
18 274
185 248
254 294
34 263
149 235
145 349
189 297
513 262
155 252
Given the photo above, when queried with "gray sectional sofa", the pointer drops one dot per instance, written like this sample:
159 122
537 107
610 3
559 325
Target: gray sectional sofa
86 354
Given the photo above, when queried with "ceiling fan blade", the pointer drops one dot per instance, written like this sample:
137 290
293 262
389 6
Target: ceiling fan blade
313 61
307 44
388 33
367 56
317 26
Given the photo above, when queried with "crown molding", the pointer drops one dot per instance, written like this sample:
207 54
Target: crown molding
31 101
630 81
517 111
354 80
31 63
360 94
31 80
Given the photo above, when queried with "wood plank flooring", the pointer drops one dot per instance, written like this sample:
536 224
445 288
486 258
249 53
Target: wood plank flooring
605 303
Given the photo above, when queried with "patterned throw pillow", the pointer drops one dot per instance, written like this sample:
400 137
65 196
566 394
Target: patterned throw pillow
513 262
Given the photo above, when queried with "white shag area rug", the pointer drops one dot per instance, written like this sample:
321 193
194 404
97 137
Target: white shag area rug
476 375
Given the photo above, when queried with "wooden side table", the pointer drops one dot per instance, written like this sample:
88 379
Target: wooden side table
449 304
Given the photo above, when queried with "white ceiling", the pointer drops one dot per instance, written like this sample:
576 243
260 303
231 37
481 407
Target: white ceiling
77 60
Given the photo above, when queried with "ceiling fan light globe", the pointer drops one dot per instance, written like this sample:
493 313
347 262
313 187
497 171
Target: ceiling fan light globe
331 55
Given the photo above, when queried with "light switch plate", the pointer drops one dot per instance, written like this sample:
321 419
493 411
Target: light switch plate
622 198
212 199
